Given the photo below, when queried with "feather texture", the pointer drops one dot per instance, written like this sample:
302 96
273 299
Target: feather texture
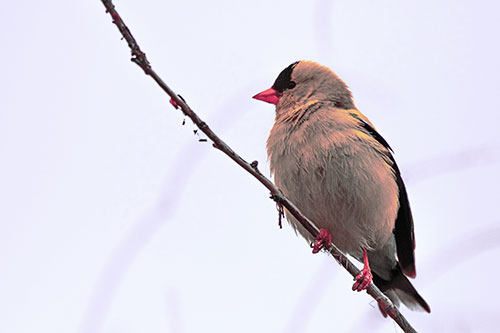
330 161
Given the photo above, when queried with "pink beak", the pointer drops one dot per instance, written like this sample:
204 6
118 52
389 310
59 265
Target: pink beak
270 95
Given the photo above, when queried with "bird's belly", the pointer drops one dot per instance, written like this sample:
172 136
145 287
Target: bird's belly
354 197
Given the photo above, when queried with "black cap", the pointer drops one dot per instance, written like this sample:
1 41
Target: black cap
284 80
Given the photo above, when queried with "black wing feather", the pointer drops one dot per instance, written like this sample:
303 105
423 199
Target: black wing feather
403 230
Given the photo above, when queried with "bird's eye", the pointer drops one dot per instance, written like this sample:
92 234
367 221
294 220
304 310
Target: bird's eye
291 85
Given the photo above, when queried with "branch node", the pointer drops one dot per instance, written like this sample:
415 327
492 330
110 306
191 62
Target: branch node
275 197
175 105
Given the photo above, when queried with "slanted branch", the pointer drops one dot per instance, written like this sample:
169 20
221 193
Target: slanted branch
141 60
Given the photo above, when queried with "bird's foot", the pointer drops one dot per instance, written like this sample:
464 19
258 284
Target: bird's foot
364 277
323 240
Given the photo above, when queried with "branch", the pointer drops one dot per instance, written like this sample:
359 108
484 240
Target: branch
140 59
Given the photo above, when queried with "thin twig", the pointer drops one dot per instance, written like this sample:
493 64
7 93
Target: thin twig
140 59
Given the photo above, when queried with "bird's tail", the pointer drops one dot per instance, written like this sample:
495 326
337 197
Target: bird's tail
400 290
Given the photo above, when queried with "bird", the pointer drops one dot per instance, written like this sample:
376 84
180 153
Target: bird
330 161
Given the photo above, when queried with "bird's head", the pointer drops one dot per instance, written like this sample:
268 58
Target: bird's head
304 82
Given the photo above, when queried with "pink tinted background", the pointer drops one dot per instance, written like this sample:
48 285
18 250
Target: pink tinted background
114 218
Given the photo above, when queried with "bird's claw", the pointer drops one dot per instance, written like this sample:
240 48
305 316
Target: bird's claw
323 240
363 279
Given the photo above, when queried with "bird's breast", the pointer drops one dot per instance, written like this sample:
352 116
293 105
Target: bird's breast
336 179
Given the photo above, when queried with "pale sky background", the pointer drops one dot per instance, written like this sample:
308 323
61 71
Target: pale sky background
114 218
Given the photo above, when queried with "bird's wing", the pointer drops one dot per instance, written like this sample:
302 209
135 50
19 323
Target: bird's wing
403 230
